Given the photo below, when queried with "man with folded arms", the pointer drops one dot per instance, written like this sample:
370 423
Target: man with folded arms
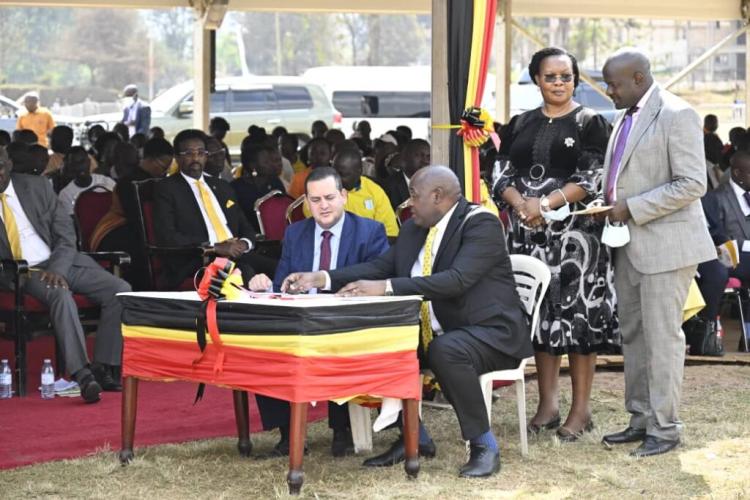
452 253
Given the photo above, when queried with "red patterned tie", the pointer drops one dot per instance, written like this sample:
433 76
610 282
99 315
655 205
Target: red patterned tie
325 251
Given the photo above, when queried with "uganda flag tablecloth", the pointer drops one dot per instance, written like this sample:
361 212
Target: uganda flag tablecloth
310 348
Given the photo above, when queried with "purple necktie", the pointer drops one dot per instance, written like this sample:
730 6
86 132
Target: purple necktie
614 164
746 195
325 251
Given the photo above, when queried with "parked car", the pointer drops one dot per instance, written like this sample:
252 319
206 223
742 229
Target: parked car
525 95
264 101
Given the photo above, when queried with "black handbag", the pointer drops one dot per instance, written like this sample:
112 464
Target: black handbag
703 337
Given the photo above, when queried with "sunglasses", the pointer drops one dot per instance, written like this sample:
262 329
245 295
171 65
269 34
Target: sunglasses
566 78
192 152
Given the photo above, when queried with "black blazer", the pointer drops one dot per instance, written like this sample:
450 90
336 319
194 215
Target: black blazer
471 286
724 216
178 221
396 189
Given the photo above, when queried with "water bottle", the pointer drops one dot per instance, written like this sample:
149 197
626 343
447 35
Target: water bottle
48 380
6 380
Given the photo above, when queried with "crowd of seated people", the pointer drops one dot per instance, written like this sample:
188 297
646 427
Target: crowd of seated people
726 206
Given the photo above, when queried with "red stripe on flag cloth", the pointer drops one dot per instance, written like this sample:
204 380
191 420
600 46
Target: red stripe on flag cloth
278 375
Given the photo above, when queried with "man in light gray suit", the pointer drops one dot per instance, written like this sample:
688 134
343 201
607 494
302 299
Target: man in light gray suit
37 228
654 175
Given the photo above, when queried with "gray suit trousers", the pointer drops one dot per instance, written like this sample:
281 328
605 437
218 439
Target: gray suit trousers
650 310
100 287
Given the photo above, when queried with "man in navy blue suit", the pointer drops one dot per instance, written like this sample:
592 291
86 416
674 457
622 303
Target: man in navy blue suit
136 114
331 239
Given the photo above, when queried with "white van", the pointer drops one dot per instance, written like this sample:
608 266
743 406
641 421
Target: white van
385 96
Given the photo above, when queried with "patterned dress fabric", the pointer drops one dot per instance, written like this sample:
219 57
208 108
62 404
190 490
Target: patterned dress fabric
539 155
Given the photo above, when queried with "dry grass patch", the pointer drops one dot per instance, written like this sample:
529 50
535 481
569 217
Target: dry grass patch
712 463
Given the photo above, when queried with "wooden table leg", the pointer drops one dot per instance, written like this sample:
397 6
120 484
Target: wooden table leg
411 437
129 408
297 434
241 416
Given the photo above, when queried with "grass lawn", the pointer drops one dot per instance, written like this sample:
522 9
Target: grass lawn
713 462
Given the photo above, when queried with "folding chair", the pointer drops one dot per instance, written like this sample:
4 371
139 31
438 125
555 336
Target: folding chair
532 279
734 289
294 212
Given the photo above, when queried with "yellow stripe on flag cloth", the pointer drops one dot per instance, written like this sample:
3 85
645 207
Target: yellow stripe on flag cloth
477 41
354 343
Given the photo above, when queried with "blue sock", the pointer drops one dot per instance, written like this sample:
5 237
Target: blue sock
424 437
486 439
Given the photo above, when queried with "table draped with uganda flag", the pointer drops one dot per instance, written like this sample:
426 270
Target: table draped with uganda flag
300 349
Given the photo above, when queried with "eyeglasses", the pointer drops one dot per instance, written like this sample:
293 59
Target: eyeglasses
192 152
566 78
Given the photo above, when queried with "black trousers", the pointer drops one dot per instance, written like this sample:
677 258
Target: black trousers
458 358
276 413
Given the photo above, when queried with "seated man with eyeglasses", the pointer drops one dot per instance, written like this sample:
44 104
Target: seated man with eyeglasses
192 209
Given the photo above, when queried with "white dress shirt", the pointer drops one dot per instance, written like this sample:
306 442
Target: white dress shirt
33 247
193 183
740 194
335 241
416 269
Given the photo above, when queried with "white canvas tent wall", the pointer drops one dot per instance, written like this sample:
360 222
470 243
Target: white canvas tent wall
696 10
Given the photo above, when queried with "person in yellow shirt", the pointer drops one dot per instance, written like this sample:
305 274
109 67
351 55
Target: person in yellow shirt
36 118
365 197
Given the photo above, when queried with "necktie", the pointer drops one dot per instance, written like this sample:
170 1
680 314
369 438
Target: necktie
746 195
219 229
424 311
614 165
11 228
325 251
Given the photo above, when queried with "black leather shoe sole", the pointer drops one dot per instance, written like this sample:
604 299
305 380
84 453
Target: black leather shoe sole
481 469
396 455
90 392
629 435
653 446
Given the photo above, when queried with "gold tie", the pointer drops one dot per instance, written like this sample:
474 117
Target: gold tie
11 228
219 229
424 312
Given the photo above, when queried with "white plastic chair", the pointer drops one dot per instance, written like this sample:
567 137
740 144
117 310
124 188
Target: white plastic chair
532 279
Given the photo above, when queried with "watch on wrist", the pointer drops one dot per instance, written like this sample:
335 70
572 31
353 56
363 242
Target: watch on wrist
388 288
544 204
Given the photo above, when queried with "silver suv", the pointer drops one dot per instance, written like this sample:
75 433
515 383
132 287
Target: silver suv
267 101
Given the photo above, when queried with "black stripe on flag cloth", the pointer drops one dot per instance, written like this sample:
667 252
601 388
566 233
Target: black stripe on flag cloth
271 320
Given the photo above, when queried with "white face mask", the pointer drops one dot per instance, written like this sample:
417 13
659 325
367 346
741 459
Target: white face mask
615 236
559 214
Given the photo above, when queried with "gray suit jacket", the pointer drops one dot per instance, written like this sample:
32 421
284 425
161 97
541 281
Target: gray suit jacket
662 177
726 221
51 222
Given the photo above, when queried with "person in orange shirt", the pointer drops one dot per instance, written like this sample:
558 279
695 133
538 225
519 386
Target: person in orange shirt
37 118
319 155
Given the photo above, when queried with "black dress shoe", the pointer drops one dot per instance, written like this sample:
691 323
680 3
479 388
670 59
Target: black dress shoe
654 446
396 454
537 428
629 435
483 462
565 435
90 388
342 444
103 375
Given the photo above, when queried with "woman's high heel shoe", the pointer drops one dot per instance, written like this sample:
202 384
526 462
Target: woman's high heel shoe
548 426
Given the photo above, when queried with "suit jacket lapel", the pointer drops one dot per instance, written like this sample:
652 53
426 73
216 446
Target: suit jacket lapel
25 198
450 231
308 241
346 242
645 117
735 204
